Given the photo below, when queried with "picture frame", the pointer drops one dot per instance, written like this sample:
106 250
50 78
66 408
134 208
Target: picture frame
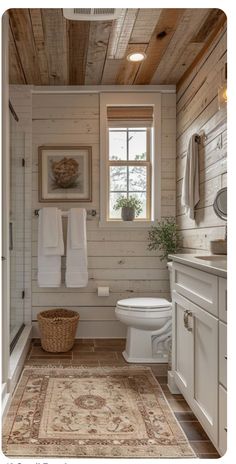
65 173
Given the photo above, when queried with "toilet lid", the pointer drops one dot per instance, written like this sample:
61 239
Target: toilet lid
142 304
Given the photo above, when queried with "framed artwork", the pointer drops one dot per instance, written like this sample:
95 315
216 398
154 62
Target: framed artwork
65 173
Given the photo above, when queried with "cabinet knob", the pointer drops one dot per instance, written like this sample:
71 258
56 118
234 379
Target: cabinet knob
225 356
225 429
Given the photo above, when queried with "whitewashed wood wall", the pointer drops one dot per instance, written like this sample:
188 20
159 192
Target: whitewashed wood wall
197 111
116 258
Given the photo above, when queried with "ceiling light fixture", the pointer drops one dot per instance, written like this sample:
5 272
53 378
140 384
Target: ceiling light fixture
136 57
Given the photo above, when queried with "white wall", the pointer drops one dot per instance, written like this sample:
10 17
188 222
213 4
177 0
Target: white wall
116 258
197 111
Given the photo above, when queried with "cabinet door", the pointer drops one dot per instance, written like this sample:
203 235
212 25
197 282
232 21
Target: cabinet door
196 361
205 385
182 341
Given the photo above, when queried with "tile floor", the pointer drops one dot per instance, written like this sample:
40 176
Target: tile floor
108 352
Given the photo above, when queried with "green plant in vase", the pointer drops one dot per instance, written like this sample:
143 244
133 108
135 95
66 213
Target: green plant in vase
164 237
130 207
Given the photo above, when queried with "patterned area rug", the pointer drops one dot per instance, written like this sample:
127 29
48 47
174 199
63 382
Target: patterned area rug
92 412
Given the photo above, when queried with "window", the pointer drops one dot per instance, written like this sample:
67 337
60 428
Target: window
130 156
129 168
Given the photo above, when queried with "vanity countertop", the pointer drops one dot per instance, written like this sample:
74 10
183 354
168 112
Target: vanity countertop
214 264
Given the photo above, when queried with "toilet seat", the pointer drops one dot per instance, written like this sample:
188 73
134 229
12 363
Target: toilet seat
144 304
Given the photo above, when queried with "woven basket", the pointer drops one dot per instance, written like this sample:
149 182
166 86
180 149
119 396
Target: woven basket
57 328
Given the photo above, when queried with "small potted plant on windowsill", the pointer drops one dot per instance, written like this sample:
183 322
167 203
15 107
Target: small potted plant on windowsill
130 207
165 238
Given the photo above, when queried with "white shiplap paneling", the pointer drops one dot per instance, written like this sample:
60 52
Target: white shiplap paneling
116 258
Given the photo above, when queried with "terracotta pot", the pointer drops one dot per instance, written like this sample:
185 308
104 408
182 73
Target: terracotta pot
127 213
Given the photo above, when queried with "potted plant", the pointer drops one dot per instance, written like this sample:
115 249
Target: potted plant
164 237
130 207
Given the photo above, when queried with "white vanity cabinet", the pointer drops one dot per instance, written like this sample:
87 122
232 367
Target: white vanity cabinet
199 347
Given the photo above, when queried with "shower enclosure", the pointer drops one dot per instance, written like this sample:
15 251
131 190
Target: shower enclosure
16 327
16 228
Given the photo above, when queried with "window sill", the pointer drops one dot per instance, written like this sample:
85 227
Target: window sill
126 224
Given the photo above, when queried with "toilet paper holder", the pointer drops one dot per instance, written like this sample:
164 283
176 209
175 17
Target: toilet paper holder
103 291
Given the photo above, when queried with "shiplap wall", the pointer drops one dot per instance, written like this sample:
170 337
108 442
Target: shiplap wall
21 99
197 111
116 258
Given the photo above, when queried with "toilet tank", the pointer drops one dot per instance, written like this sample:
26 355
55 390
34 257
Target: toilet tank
170 265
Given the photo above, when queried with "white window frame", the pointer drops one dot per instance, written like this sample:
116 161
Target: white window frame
132 99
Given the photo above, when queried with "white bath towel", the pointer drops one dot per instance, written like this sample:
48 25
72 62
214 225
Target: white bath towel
190 189
49 257
76 254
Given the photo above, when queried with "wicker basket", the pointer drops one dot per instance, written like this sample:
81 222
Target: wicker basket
57 328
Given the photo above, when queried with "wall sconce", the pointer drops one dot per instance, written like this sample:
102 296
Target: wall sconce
222 89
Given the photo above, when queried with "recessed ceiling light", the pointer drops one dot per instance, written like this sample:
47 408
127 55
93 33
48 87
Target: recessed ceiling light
136 57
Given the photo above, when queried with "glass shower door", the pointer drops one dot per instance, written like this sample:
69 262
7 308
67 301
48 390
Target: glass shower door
16 230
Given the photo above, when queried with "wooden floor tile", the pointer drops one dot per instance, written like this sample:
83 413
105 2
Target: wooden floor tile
178 405
203 447
187 416
109 342
162 379
102 355
209 456
194 431
82 347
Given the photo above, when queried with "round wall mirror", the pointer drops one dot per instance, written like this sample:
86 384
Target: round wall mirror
220 203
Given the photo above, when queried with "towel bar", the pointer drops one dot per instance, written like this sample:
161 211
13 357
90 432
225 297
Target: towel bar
90 212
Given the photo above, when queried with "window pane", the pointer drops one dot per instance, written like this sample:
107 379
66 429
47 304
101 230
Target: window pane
117 145
113 198
142 197
118 178
137 178
137 145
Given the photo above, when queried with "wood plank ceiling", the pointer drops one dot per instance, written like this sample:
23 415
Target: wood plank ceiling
47 49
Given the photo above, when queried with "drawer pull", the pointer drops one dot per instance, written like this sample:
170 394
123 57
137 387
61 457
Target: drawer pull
225 356
225 429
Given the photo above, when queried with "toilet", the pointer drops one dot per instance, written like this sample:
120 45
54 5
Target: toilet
149 322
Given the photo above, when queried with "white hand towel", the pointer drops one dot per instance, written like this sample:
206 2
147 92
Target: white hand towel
52 233
78 228
49 264
76 255
190 189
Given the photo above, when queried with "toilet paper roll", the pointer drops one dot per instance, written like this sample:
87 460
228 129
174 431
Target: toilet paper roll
103 291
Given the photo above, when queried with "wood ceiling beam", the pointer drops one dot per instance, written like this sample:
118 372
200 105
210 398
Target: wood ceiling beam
175 54
159 41
56 45
39 39
144 25
208 26
98 41
16 73
22 33
121 33
78 47
110 71
218 28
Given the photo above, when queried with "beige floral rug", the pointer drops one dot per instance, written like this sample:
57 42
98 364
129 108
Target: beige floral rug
92 412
